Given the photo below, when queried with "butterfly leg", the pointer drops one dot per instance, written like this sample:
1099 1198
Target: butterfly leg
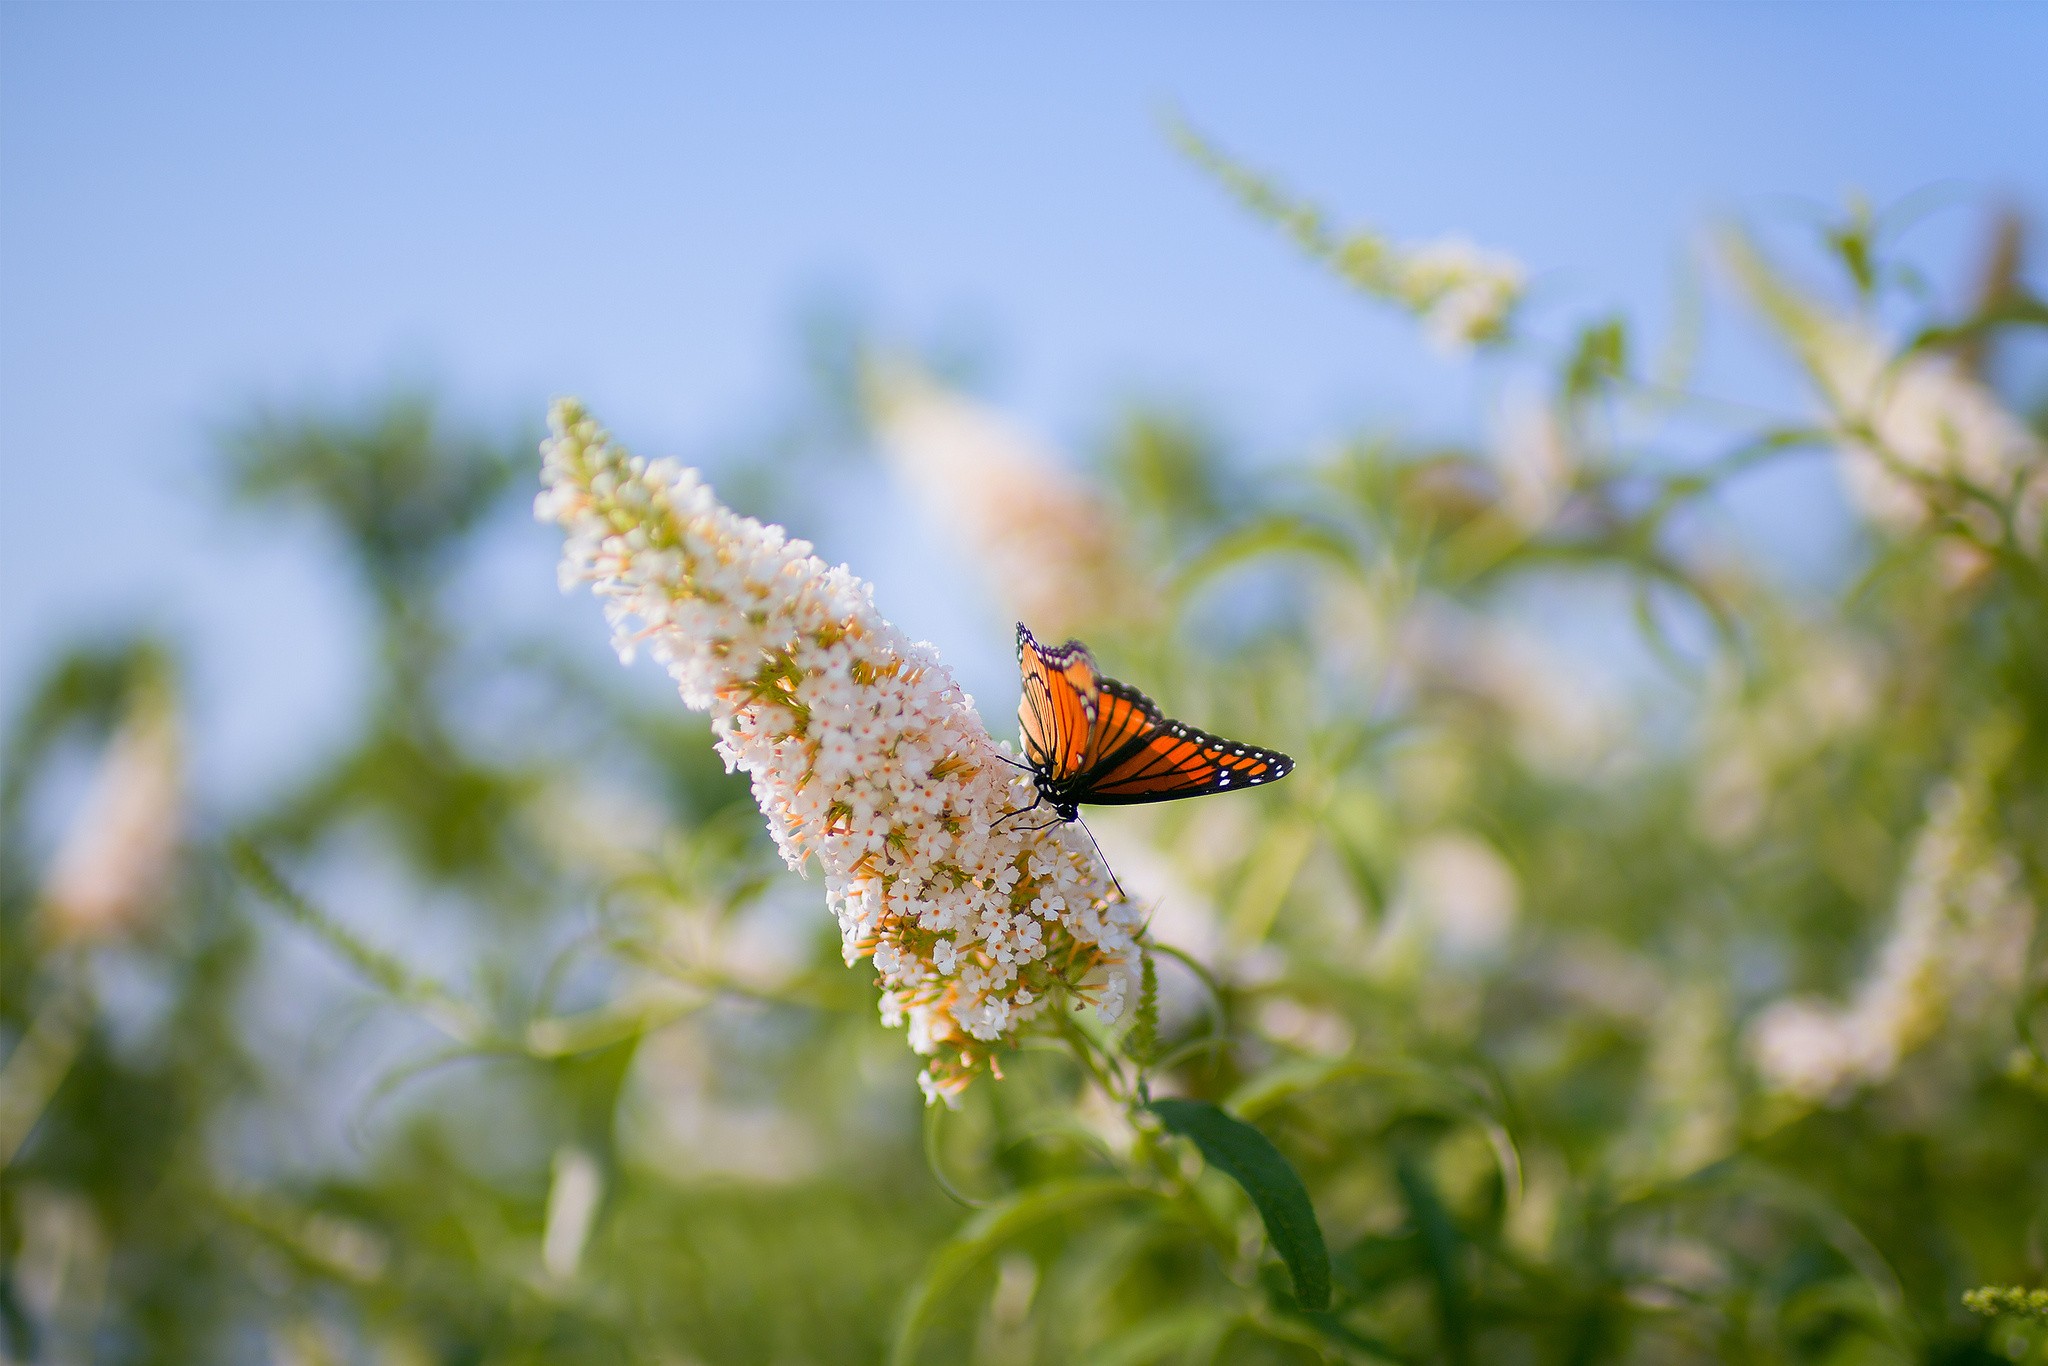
1056 820
1037 801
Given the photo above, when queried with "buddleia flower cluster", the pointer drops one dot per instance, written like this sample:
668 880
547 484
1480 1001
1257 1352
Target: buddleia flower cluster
1909 422
864 753
1462 294
117 859
1045 539
2016 1300
1958 937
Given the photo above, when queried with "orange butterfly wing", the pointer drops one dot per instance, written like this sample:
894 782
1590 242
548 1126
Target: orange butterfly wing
1107 744
1057 710
1136 754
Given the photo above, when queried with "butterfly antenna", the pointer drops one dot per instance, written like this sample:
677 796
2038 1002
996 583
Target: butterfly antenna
1105 859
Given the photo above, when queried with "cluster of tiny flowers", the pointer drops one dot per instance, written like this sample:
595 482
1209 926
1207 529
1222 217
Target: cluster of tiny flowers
117 857
1456 905
2016 1300
1688 1106
863 751
1926 417
1961 928
1909 422
1046 540
1462 294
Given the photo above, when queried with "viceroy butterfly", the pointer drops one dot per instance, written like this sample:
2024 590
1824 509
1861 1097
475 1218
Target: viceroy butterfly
1090 740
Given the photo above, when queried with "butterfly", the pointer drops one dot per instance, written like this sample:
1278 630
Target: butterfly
1090 740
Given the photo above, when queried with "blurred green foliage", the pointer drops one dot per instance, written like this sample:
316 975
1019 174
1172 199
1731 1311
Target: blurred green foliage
504 1038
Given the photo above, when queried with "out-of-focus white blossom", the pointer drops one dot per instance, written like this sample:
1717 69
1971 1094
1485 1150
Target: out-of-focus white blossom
1961 926
118 855
1045 539
1456 903
576 1187
1688 1108
1463 295
863 751
111 870
1312 1030
1533 453
1902 423
1925 417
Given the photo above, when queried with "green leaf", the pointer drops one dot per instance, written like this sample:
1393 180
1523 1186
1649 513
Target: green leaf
1272 871
2021 310
1442 1244
1599 358
1278 534
989 1230
1197 1333
1249 1158
440 1007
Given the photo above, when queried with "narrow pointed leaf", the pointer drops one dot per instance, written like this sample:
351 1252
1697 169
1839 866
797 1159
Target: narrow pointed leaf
986 1232
1249 1158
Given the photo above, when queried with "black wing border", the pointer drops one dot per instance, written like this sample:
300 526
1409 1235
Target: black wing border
1055 659
1081 790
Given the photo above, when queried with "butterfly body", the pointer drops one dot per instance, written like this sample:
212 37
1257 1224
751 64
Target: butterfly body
1091 740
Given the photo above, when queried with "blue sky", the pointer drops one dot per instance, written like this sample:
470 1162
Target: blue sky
203 206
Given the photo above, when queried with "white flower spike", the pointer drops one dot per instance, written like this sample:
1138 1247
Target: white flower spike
864 754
